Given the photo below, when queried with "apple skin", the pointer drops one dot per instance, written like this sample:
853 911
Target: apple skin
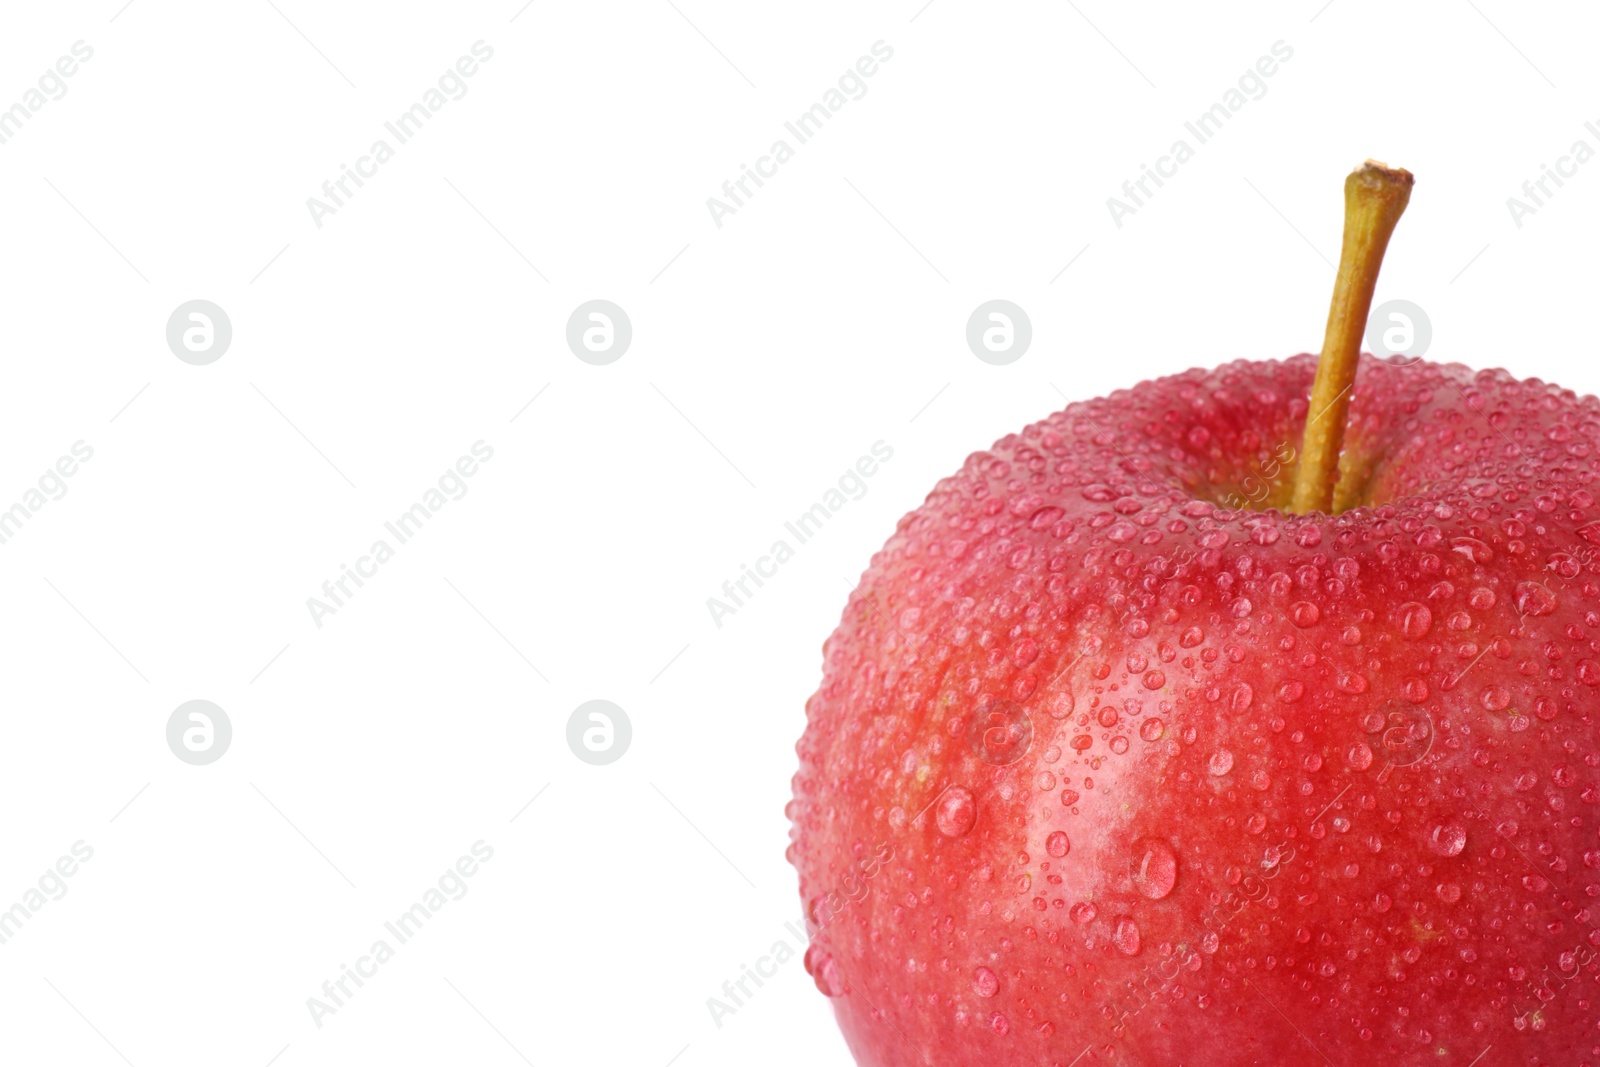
1101 772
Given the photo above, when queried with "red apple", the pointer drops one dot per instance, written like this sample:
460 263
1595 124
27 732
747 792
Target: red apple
1107 767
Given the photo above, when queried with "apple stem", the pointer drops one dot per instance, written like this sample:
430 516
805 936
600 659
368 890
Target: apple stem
1375 196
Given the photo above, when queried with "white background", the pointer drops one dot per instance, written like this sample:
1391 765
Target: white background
768 354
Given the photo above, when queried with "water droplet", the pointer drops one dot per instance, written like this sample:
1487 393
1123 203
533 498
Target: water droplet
985 982
1221 762
1496 698
1415 620
1155 867
1447 839
1057 844
1059 704
957 811
999 1024
1126 937
1044 518
1359 756
1472 548
1119 744
825 972
1354 684
1535 599
1304 613
1152 729
1263 534
1448 892
1083 912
